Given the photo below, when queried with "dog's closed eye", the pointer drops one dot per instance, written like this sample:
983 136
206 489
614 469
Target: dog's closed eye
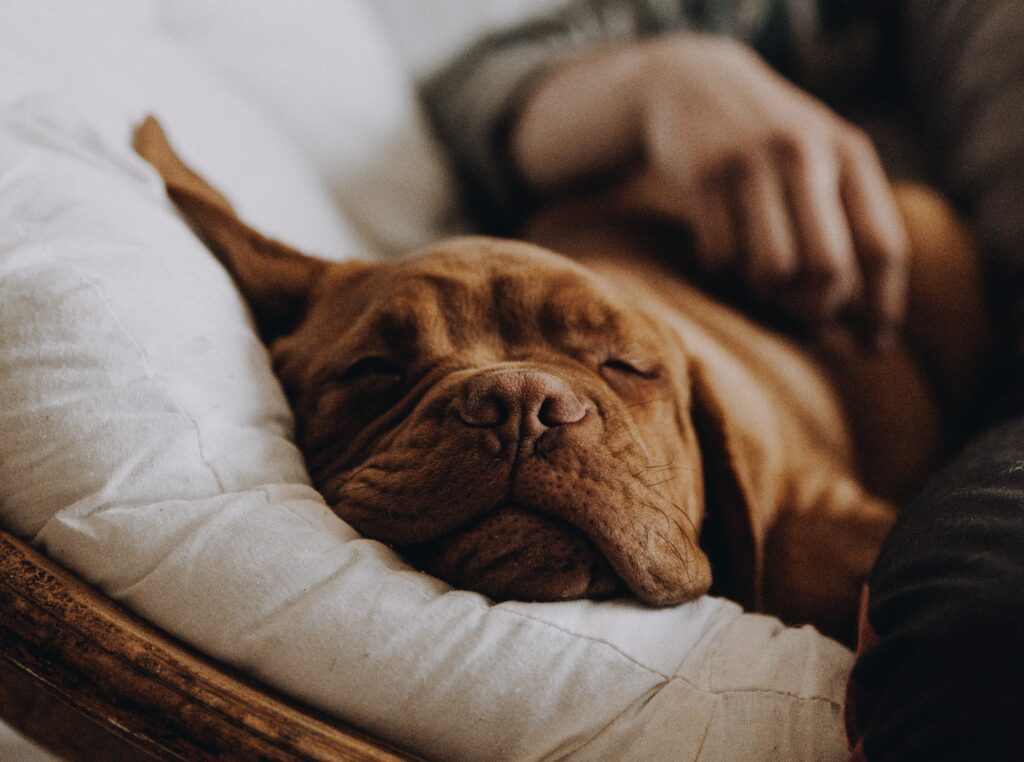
635 368
371 368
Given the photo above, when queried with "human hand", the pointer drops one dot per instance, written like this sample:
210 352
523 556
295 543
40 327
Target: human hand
779 190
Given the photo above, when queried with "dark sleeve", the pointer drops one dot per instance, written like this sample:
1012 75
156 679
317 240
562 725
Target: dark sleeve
472 100
940 674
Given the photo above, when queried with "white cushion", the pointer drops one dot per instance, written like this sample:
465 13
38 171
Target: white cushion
14 746
327 72
146 445
453 24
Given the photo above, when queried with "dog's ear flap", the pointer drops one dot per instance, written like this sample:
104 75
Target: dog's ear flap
732 535
275 279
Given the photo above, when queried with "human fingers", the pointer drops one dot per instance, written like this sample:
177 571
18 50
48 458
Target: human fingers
829 277
714 230
879 235
767 236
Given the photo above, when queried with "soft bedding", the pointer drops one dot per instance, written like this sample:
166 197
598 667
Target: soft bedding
147 446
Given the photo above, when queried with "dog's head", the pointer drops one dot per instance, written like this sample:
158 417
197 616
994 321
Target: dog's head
502 415
509 420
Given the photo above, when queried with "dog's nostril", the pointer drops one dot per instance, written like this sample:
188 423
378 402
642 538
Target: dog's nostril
561 410
483 410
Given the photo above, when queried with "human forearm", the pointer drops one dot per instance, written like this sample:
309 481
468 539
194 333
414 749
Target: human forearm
581 119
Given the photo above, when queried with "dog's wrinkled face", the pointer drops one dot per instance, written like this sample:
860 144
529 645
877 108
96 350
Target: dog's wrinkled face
505 418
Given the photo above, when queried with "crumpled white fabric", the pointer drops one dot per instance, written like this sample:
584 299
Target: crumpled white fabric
146 445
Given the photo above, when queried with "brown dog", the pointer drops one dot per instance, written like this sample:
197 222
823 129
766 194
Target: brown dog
537 427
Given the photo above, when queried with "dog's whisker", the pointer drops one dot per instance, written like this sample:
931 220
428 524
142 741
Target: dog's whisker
664 465
663 481
668 521
668 469
679 556
696 533
667 466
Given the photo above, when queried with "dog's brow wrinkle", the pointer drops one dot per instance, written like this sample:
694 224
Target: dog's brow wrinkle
451 302
380 466
575 313
397 326
417 322
511 311
441 281
552 320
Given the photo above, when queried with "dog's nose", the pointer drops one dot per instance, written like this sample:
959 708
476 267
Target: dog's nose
518 403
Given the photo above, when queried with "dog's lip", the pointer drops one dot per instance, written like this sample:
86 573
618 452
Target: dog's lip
480 516
601 581
658 561
642 578
677 577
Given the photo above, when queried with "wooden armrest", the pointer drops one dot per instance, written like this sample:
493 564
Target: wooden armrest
139 683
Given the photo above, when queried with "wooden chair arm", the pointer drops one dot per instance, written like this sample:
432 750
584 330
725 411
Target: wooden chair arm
156 693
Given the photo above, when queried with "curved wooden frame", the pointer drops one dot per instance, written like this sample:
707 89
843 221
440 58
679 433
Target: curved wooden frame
148 689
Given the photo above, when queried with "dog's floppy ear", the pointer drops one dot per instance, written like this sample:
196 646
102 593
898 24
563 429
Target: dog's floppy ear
275 279
732 534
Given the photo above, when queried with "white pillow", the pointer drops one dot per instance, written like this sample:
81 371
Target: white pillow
329 74
146 445
454 25
110 56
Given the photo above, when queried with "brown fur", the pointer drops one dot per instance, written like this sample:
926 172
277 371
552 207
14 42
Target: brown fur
538 427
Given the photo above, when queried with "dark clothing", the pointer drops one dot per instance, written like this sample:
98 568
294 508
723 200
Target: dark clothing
944 676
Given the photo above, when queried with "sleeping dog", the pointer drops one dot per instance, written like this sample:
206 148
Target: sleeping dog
542 427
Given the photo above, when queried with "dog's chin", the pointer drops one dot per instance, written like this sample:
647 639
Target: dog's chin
513 553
